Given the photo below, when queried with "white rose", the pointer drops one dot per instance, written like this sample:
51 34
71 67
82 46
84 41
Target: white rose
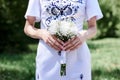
64 28
53 27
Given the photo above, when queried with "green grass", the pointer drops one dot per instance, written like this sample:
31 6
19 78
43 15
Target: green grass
18 66
105 59
105 62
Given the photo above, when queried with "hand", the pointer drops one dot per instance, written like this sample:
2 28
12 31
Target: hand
74 43
51 40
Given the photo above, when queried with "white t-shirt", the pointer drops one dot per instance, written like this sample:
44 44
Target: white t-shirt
79 10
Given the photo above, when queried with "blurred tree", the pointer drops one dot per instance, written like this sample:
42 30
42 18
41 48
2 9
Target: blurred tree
12 21
109 26
12 37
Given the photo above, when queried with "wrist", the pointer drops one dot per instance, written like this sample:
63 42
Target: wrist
40 33
84 35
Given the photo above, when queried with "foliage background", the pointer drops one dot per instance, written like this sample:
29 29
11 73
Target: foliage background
17 57
12 23
109 25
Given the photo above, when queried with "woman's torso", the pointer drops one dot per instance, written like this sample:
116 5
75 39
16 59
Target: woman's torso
62 9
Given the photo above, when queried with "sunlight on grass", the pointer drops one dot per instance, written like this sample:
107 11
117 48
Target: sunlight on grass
105 59
17 66
105 62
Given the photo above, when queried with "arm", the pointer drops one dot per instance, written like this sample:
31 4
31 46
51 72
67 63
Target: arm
43 34
30 30
92 29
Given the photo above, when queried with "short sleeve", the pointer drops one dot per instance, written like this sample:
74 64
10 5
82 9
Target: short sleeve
33 9
93 9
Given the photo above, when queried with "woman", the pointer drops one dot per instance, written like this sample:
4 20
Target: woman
78 55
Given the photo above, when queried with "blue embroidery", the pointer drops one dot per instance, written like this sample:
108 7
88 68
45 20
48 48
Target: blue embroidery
37 77
61 10
80 1
81 76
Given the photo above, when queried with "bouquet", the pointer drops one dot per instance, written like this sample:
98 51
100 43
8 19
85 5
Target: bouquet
64 30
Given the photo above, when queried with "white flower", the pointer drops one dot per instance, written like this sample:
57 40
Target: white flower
63 29
53 27
73 30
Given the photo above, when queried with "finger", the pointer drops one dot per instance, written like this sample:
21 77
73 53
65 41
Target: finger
53 46
77 45
58 45
71 44
50 43
68 47
69 41
55 43
58 40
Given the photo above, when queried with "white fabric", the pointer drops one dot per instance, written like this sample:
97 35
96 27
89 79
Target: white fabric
47 59
33 9
93 9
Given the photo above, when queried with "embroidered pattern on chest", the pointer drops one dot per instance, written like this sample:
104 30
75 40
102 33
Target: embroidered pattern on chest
61 9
